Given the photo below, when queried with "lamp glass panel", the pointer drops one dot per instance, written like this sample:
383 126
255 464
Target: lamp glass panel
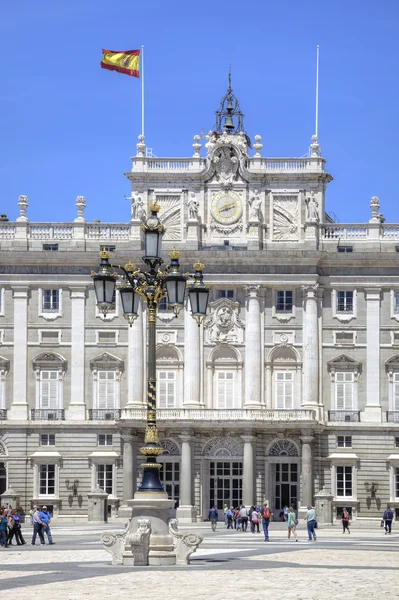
104 287
152 243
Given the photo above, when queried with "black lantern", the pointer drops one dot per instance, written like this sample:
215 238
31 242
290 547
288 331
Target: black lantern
153 232
104 285
199 294
175 283
130 299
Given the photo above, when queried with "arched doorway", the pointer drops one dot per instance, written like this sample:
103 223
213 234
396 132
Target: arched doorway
282 475
170 469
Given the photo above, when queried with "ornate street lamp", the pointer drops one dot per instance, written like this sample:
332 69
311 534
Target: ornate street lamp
151 285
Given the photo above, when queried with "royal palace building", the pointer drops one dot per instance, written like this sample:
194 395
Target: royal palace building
288 389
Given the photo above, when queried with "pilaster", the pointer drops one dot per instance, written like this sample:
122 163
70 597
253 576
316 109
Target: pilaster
310 396
372 411
252 397
186 512
136 373
192 371
76 410
248 479
129 472
19 410
307 471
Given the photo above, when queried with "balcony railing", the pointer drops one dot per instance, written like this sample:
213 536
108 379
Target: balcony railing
204 414
97 414
3 414
349 416
392 416
47 414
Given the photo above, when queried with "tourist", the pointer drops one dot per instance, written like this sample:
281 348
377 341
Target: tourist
46 518
225 509
3 528
345 521
213 517
311 523
37 528
266 514
236 518
244 518
388 518
229 518
292 523
254 520
285 512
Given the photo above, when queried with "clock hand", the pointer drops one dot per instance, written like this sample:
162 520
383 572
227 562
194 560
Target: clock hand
226 206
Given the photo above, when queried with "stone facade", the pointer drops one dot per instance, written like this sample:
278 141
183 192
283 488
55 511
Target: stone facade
289 387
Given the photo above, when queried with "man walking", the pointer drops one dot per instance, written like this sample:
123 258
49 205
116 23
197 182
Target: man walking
244 518
37 528
213 517
311 523
46 518
388 518
266 514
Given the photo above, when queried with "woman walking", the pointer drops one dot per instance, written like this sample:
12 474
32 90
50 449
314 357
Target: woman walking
345 521
292 523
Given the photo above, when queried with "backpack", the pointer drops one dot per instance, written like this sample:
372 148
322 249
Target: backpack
266 512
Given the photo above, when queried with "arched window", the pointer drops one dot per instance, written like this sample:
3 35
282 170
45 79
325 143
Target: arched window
283 379
107 371
224 378
169 377
50 369
344 374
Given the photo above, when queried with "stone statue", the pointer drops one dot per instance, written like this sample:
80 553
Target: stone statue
138 210
312 212
254 207
224 317
193 206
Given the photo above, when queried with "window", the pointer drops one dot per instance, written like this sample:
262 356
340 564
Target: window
3 478
107 248
344 384
284 301
344 338
47 439
50 247
1 302
345 248
344 301
226 293
397 442
396 303
344 441
106 390
105 439
51 300
167 389
344 481
225 389
104 477
396 483
163 304
47 480
284 390
49 389
169 475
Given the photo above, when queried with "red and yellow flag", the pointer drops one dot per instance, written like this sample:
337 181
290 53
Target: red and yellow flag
123 61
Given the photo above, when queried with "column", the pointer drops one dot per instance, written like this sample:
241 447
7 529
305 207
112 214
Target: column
372 411
129 472
19 409
310 346
135 362
77 407
307 471
192 371
252 349
186 513
248 480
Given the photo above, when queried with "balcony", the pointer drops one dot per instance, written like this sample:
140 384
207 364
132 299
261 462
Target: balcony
346 416
392 416
3 414
47 414
110 414
215 415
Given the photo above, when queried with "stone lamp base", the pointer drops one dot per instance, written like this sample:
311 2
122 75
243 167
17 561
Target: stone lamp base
150 537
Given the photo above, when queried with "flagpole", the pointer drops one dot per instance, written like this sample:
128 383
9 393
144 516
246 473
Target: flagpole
317 90
142 91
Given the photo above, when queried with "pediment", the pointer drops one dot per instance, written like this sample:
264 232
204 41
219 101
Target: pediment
107 361
344 363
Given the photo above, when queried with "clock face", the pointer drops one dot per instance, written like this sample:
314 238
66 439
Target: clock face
226 207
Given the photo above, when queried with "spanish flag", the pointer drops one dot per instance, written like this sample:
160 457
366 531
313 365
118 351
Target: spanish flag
123 61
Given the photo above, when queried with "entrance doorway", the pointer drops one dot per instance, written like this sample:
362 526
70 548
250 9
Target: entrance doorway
286 485
225 484
3 478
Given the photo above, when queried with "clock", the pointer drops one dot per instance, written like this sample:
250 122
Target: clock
226 207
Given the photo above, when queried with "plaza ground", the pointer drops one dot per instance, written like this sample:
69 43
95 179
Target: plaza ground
228 565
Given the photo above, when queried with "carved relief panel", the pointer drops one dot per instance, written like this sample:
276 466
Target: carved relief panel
224 324
286 221
170 215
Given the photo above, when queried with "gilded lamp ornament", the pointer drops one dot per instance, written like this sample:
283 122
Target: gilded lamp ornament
150 285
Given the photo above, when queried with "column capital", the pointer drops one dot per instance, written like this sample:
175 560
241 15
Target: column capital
252 290
306 439
186 435
20 291
310 290
77 291
373 294
248 438
129 437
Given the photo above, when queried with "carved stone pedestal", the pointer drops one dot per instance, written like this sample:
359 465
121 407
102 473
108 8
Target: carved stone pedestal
150 538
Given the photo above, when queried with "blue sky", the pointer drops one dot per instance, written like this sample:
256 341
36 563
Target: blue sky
68 128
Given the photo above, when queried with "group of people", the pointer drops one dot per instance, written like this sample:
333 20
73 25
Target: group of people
239 517
10 526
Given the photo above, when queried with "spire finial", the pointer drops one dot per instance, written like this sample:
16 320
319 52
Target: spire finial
229 78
